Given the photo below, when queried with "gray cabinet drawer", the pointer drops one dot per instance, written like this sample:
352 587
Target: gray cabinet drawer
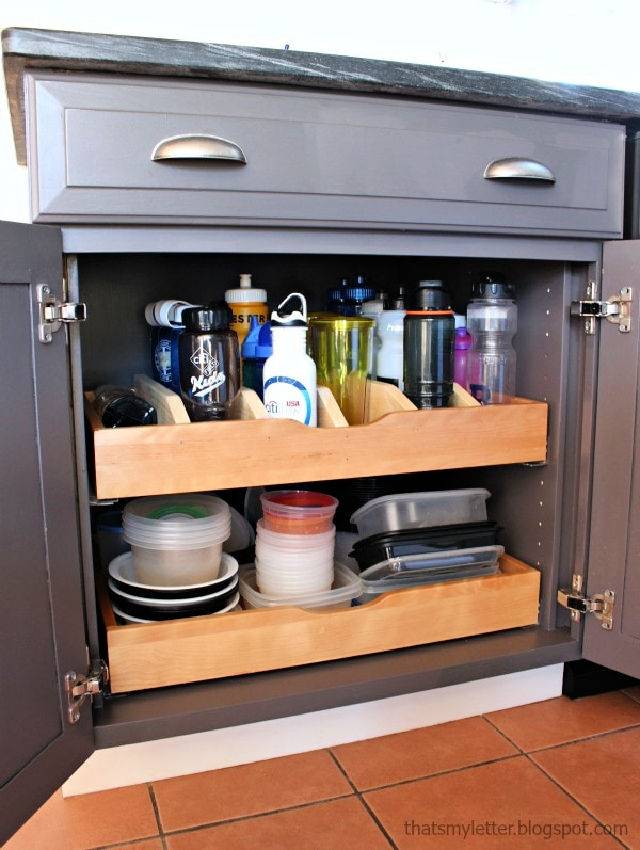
330 160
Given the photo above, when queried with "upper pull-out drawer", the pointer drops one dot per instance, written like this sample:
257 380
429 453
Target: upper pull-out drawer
292 156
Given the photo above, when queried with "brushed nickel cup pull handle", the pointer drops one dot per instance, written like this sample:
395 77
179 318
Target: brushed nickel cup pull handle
515 168
197 147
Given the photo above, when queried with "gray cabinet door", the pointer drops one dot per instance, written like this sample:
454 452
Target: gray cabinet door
42 634
614 552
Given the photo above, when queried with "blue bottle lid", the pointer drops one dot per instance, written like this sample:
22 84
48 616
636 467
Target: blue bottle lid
264 348
250 342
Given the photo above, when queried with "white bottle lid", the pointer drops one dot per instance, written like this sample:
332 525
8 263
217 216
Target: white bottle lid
459 321
245 294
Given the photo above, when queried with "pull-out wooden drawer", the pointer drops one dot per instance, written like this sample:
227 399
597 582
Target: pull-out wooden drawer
174 652
329 160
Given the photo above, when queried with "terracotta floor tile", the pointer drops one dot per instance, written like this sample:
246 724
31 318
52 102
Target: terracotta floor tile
604 775
151 844
421 752
634 692
493 797
92 820
560 720
339 825
248 790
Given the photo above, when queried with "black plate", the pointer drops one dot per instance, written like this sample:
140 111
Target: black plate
173 612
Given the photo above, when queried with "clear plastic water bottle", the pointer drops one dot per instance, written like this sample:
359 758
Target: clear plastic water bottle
492 320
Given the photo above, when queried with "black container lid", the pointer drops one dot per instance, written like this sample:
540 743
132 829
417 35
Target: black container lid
216 317
432 295
493 286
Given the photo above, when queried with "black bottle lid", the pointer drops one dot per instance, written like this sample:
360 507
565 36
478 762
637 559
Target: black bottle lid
216 317
432 295
493 286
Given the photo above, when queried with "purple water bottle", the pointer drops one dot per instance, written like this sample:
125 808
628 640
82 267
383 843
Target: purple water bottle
462 342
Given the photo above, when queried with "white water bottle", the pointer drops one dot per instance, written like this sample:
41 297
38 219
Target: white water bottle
289 375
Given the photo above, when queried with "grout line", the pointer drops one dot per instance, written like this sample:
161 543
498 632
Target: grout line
363 802
593 737
133 842
242 818
575 800
156 811
630 696
550 778
428 776
503 734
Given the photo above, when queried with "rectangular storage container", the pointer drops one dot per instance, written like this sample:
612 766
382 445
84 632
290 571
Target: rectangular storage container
421 510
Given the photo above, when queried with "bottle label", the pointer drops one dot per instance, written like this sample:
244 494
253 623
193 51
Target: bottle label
162 360
209 378
287 398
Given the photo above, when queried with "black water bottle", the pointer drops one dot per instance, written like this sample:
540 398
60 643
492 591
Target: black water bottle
428 347
209 362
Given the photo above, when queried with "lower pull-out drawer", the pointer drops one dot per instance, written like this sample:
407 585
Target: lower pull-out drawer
175 652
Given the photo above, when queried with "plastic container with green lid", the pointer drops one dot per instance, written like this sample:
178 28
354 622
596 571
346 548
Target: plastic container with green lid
176 540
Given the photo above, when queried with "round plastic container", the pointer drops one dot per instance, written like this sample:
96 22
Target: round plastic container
176 540
297 511
293 564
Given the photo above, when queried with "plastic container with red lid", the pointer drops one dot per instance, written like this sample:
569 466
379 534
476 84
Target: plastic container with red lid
298 511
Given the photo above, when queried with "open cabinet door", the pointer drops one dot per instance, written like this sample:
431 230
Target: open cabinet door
614 551
41 603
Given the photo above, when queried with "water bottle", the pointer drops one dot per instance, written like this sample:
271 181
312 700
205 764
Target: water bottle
209 362
462 343
289 375
428 347
492 319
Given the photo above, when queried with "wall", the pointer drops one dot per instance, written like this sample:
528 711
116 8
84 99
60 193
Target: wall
580 41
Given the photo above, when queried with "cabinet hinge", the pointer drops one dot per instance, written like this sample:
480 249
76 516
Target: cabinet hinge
600 604
616 309
78 687
52 312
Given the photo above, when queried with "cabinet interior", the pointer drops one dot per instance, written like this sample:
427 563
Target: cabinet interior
531 503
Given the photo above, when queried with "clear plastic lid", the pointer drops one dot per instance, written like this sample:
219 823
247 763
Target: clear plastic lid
298 503
184 521
421 510
346 586
432 566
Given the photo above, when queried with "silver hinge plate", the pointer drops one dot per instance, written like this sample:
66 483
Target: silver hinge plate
600 604
78 688
52 312
616 309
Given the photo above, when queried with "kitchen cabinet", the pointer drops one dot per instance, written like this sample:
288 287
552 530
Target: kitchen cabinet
123 230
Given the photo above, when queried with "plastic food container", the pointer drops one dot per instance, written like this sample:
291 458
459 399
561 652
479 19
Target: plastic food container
416 570
421 510
297 511
419 541
293 564
176 540
346 587
122 576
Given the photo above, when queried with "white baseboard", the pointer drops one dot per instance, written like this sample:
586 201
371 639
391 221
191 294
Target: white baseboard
152 760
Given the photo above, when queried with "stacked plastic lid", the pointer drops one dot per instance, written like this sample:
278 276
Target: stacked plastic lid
176 539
